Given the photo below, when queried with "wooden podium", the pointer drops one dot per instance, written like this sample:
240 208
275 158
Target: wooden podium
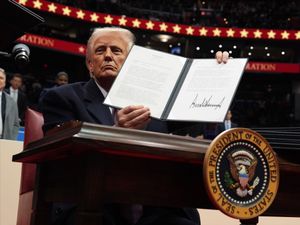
91 165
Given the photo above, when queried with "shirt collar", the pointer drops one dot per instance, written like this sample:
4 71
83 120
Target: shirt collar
13 90
103 91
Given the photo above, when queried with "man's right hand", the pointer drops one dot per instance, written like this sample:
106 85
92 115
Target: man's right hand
135 117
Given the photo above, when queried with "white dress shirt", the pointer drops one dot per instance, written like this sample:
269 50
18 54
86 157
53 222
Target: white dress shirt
13 93
227 124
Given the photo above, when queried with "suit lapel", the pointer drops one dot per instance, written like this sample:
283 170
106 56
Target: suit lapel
8 105
93 99
19 100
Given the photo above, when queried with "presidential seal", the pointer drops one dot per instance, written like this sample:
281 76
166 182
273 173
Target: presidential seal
241 173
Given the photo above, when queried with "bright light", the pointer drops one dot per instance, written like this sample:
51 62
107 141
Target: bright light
282 53
266 48
234 46
170 46
164 37
178 44
212 51
230 52
164 40
251 47
197 48
268 54
249 53
220 46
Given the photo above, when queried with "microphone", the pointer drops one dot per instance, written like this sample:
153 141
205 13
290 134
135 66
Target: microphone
20 53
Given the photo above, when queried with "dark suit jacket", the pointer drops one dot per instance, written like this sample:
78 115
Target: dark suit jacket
83 101
22 104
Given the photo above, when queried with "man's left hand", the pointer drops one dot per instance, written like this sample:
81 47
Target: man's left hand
222 57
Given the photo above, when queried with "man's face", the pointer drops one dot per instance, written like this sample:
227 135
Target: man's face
2 81
62 80
16 82
108 54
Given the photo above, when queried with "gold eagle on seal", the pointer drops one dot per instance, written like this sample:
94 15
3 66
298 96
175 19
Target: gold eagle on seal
242 169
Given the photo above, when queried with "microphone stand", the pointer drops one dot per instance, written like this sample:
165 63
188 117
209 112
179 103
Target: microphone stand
5 54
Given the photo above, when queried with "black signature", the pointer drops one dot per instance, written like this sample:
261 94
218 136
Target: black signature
206 103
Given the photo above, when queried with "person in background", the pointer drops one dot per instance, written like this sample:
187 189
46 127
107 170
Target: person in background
9 118
106 52
18 95
61 78
227 124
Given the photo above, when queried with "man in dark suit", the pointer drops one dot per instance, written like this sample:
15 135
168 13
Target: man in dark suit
227 124
19 96
106 52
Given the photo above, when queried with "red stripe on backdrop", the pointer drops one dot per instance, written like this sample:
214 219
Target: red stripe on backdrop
79 49
53 44
268 67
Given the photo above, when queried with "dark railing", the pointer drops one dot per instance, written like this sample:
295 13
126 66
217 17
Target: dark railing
284 140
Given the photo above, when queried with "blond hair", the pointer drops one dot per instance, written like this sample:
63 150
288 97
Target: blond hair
99 31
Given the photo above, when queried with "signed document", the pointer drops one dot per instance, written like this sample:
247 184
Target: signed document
175 87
